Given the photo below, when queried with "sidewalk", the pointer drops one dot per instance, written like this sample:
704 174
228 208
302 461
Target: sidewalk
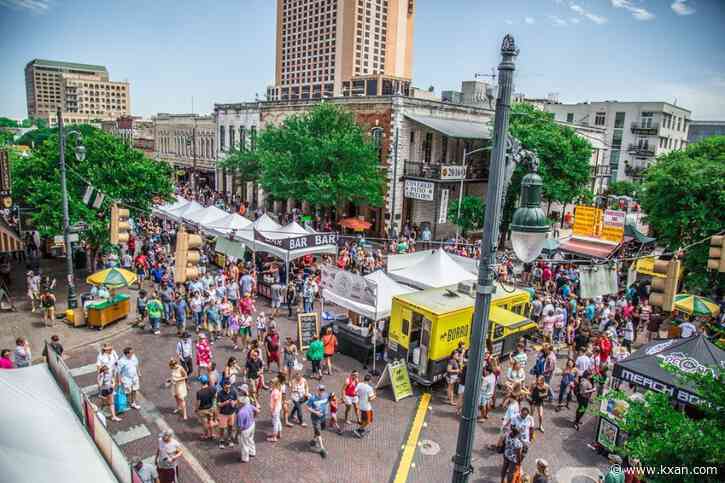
24 323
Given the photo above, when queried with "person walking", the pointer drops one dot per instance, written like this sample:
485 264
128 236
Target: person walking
22 356
180 307
246 425
317 405
512 455
205 400
203 353
350 398
289 358
47 302
329 341
106 384
129 375
291 297
155 309
226 404
146 472
584 393
167 456
488 387
185 352
566 385
365 394
271 344
178 384
299 391
315 353
539 393
5 361
542 472
275 408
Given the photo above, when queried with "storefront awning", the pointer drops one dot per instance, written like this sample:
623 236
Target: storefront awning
9 240
453 127
588 247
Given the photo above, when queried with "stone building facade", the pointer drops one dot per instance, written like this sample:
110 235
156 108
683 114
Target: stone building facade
187 142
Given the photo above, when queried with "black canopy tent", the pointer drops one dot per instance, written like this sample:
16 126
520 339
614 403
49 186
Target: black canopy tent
692 355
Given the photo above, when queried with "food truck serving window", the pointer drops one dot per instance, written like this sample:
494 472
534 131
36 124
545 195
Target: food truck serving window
405 327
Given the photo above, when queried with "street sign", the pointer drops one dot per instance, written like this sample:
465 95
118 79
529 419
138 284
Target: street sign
443 208
72 237
80 226
453 172
396 375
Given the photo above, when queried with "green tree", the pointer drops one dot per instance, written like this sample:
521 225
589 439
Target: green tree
660 434
36 137
322 157
244 163
683 197
623 188
122 173
472 213
564 158
7 122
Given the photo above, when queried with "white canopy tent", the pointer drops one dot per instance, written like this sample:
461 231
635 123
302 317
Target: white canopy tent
436 269
178 213
204 216
387 288
233 222
163 210
42 438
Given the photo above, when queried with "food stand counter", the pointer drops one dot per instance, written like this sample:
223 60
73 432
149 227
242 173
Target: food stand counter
353 340
105 312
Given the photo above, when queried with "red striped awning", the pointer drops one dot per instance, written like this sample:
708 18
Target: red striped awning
588 248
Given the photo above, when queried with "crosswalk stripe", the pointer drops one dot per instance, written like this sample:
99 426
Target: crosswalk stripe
131 434
83 370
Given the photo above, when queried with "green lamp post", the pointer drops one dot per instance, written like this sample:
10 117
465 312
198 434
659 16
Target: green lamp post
529 225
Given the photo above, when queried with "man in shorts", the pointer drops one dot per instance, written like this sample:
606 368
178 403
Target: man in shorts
317 405
205 406
129 375
365 394
226 402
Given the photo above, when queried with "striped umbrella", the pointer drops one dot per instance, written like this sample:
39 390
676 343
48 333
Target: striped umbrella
112 278
696 305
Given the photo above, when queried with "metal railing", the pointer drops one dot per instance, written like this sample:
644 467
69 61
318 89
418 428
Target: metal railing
641 150
645 128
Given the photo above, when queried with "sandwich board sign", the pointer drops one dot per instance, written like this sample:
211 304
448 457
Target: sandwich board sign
395 374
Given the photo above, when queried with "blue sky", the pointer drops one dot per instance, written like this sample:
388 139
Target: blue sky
223 50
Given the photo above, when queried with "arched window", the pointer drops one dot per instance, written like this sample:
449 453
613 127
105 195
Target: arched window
222 131
377 135
231 138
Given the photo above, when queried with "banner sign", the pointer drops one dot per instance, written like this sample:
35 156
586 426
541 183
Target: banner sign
586 220
312 240
348 285
396 375
308 326
419 190
443 209
613 225
453 172
5 181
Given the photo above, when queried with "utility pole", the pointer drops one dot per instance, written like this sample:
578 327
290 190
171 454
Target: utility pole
72 299
462 468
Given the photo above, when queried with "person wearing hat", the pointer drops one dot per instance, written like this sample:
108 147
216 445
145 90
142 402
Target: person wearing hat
146 472
615 473
542 471
246 424
317 405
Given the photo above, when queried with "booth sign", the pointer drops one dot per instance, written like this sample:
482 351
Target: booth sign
313 240
348 285
419 190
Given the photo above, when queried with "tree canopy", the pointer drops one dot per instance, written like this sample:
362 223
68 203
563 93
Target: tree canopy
471 216
660 434
683 197
121 172
322 157
244 162
623 188
564 158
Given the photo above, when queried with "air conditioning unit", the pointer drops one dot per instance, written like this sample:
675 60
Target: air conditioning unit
467 287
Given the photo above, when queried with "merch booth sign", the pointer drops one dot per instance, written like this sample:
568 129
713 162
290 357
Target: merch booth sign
290 244
348 285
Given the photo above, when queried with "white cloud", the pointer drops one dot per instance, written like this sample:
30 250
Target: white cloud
574 20
597 19
35 6
558 21
637 12
680 7
529 20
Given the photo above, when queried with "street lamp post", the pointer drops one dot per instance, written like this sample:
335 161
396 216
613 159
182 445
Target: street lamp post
533 222
80 153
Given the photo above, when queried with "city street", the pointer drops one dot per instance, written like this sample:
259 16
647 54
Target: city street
376 458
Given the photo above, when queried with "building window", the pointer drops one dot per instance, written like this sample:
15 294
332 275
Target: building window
619 120
222 131
231 138
427 147
242 138
444 149
570 117
647 119
253 138
600 119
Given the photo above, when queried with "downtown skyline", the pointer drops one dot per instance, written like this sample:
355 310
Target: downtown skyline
225 51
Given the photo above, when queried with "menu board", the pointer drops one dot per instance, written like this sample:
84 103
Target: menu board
308 326
613 225
586 220
396 375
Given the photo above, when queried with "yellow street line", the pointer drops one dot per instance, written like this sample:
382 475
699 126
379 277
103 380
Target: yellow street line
401 476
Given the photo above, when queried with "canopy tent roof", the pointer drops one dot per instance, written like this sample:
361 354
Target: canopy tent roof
437 269
631 230
266 223
178 213
164 209
387 288
588 247
204 216
231 222
692 355
453 127
42 438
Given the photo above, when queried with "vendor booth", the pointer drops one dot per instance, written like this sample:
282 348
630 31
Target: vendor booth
204 216
426 326
107 306
429 269
178 213
368 301
164 209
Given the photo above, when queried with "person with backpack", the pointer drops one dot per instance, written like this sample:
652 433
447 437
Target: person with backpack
584 391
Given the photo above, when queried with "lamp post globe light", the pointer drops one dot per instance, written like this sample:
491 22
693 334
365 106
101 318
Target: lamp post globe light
529 225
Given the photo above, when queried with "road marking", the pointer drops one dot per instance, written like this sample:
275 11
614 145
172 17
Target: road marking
151 414
90 390
83 370
133 433
406 460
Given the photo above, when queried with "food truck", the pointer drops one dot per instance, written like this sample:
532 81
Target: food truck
426 326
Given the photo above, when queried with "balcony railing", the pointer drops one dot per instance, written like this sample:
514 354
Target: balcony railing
434 171
645 128
644 150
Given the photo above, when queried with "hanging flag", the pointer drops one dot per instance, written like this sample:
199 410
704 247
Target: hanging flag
87 195
98 200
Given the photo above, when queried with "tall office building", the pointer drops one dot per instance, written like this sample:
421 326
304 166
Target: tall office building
84 92
343 47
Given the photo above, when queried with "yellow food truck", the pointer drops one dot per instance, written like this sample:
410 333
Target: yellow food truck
426 326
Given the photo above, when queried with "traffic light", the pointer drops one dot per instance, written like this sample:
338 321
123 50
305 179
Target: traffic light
716 260
664 286
119 225
188 254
